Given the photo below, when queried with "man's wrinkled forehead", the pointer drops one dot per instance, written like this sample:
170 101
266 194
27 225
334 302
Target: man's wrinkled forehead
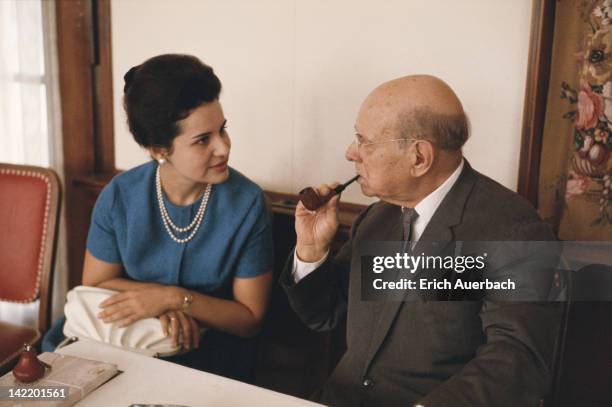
377 119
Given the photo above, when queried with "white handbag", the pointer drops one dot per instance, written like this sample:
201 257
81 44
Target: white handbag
144 336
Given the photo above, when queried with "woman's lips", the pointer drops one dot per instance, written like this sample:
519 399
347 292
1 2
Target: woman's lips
220 167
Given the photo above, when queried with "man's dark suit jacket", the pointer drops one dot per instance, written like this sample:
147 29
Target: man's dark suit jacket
461 353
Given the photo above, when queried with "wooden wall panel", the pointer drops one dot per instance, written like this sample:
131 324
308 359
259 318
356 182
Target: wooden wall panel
83 28
536 92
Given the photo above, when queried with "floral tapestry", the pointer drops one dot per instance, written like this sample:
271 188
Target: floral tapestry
575 186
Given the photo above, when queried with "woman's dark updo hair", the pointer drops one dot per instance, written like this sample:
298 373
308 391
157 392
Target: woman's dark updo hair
162 91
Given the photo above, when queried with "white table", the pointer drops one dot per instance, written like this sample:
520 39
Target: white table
147 380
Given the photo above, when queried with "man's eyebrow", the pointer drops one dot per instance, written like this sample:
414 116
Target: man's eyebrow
360 135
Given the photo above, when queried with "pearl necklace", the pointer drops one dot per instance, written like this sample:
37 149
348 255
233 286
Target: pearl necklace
168 224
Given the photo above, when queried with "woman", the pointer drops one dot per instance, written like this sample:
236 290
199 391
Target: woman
184 237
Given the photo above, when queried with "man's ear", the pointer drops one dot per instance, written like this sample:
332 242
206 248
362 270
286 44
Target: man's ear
422 157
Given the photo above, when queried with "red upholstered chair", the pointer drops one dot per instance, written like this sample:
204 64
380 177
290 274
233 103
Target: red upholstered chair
29 212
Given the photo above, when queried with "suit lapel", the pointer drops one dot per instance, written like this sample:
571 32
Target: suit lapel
439 229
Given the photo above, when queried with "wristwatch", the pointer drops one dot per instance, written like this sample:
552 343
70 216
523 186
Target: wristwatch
187 300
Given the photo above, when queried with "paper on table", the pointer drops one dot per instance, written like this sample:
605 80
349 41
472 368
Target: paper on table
81 376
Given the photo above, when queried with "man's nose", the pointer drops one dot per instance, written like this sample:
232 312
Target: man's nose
351 152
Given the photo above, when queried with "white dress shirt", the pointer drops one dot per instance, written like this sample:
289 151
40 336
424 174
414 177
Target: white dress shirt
426 209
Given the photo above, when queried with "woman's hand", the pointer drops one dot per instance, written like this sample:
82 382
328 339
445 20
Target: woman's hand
183 328
316 229
130 306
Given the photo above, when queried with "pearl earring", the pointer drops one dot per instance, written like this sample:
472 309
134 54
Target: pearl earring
161 161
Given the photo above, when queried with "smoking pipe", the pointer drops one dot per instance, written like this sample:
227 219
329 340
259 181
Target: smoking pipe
313 201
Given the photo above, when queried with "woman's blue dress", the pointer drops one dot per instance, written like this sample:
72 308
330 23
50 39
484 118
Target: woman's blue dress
234 240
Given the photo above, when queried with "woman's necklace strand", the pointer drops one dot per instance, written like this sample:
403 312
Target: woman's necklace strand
164 211
168 224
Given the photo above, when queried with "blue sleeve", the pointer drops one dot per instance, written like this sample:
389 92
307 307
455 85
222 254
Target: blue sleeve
256 257
101 239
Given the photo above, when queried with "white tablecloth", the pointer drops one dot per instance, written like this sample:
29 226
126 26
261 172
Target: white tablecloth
147 380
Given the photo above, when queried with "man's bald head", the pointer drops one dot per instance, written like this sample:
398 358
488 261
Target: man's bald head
420 106
418 92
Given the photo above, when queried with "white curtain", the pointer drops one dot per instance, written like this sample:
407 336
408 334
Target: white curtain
30 119
23 99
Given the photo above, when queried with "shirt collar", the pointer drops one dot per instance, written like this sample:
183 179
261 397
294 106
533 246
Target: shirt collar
428 205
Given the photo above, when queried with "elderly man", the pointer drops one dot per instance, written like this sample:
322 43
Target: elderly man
407 152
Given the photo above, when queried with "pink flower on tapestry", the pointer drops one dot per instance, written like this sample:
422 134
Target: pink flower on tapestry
576 185
590 107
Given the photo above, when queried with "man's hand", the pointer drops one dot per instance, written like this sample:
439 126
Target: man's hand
316 229
183 328
128 307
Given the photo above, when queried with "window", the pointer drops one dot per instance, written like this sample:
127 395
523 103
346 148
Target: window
28 95
24 124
